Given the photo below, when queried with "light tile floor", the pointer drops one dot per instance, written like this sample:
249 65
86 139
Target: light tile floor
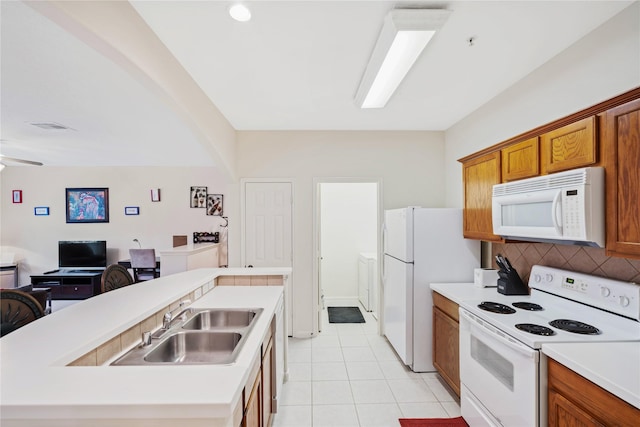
349 376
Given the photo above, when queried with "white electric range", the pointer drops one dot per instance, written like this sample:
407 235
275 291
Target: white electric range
503 382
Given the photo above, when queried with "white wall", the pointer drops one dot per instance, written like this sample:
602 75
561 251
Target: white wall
603 64
349 222
410 165
34 239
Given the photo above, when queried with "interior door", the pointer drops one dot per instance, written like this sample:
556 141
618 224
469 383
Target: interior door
268 235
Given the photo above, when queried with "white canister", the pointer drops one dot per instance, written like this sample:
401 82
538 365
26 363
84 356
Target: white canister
485 277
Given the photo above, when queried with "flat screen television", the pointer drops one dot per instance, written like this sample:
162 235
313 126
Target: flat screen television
82 254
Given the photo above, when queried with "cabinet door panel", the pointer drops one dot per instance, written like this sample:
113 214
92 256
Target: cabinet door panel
479 177
622 139
521 160
572 146
563 413
446 348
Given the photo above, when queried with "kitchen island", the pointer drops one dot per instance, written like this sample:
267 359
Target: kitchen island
56 370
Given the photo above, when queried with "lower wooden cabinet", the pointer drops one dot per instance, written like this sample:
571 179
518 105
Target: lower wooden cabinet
252 411
446 346
575 401
258 409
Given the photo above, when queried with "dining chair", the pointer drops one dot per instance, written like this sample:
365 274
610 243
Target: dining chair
115 276
143 264
17 309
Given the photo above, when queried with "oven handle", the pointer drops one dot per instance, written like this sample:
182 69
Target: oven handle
492 333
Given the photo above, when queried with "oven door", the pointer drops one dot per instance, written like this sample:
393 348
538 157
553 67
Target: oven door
499 375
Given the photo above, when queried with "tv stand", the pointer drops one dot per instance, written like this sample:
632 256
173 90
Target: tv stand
70 284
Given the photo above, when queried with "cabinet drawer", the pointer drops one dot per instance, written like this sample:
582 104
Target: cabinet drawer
446 305
71 291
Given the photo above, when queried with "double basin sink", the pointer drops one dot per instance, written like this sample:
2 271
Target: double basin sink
198 336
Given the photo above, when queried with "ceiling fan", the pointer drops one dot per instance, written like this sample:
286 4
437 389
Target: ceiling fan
5 159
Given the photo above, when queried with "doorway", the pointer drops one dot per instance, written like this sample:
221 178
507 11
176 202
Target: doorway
347 227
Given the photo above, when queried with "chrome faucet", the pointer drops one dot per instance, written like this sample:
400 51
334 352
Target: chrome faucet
169 317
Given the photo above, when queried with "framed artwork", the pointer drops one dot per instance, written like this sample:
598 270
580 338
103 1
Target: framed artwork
132 210
155 194
198 197
17 196
214 204
41 210
87 205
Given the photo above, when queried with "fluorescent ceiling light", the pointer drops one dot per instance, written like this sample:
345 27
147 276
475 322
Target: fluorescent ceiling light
240 12
404 35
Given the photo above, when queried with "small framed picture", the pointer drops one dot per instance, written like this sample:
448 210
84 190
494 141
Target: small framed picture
155 194
132 210
198 197
41 210
17 196
214 204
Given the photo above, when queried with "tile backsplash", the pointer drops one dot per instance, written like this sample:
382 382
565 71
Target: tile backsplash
582 259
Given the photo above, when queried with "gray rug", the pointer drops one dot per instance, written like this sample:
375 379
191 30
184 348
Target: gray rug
345 315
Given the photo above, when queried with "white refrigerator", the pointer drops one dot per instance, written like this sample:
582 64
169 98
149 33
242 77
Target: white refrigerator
421 246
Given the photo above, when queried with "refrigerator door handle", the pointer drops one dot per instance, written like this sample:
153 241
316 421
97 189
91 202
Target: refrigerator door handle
384 238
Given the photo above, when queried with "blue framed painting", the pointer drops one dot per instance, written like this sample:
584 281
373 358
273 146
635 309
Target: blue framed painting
87 205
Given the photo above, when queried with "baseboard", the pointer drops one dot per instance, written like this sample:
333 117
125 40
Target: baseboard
341 302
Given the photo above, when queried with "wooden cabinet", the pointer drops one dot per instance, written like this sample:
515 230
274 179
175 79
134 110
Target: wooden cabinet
258 391
479 176
569 147
267 383
622 165
446 346
521 160
252 411
575 401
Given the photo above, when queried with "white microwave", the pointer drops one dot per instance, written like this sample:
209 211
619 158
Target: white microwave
564 207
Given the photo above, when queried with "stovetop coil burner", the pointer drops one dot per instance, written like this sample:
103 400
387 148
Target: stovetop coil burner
575 327
535 329
496 307
528 306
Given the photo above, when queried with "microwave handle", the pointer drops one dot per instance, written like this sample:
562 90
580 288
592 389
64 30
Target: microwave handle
554 213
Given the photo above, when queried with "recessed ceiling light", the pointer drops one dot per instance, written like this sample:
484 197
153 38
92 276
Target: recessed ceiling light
240 12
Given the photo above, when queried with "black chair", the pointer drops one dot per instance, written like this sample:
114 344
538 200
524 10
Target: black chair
17 309
143 264
115 276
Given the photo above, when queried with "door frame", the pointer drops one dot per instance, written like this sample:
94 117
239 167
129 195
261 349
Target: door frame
316 241
290 288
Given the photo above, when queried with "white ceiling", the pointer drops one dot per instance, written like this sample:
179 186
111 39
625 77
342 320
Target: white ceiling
295 66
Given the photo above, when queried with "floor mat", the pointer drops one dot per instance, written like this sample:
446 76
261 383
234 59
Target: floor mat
433 422
345 315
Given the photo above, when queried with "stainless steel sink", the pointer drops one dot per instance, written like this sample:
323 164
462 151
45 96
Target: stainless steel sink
214 318
196 337
196 348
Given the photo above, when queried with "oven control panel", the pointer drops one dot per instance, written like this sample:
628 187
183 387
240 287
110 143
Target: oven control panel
613 295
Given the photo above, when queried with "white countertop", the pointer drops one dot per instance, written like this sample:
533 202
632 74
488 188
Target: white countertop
39 390
458 292
187 249
613 366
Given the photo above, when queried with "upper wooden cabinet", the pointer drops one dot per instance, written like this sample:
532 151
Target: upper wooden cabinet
520 160
479 177
569 147
622 165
